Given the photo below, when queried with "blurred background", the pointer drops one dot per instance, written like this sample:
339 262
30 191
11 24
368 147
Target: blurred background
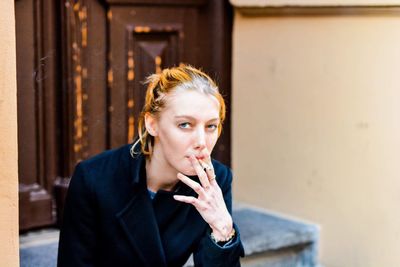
312 134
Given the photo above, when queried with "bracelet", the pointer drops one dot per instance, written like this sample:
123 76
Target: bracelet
229 238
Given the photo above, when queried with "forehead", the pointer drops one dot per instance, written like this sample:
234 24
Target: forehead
192 103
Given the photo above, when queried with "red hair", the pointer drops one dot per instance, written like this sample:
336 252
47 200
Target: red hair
181 78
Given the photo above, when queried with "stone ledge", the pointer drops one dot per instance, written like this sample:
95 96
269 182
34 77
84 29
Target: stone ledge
270 8
312 3
261 232
269 240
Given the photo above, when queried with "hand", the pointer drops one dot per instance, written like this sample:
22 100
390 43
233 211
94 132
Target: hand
210 201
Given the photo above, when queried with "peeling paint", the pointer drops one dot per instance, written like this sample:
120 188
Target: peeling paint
84 35
131 65
78 23
130 62
110 76
84 73
131 128
139 29
76 6
131 75
158 62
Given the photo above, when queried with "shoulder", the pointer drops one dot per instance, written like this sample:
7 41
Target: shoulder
103 165
106 158
223 174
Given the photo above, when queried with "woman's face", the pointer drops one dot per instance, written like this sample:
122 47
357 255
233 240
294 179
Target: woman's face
188 125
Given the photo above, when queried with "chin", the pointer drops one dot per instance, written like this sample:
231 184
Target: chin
189 171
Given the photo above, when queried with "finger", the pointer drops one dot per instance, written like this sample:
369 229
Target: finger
209 171
192 184
190 200
200 172
207 160
186 199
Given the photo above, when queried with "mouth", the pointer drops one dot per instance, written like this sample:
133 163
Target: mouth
198 157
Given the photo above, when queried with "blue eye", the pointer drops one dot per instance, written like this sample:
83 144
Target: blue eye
184 125
212 126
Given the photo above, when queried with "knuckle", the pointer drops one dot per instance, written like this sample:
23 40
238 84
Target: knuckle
197 188
203 208
208 200
203 176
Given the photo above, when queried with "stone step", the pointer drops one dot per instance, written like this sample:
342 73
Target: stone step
268 240
273 241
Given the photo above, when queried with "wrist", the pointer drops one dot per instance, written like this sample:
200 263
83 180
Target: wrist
223 239
223 232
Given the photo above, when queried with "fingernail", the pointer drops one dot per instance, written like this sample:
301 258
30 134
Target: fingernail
176 197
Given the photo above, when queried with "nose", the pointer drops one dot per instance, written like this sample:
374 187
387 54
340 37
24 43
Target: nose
200 139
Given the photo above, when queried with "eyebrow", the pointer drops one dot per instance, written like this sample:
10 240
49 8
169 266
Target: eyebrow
192 118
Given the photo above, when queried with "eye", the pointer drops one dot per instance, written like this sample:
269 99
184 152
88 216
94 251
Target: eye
212 127
184 125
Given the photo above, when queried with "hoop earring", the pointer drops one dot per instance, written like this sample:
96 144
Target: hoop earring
132 149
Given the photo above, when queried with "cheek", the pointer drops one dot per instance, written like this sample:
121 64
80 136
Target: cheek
212 140
169 137
175 143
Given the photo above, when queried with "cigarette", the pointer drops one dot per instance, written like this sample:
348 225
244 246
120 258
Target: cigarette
205 165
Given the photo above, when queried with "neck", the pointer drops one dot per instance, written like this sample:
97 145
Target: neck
159 174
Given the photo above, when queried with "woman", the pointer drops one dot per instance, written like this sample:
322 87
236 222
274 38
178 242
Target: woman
156 202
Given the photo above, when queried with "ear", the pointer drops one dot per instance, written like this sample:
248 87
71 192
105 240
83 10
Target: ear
151 124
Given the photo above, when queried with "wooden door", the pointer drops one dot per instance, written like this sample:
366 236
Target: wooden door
38 128
95 55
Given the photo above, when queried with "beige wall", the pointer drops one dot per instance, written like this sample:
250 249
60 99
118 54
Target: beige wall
316 128
8 139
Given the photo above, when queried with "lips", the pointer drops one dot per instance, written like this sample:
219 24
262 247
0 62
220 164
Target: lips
199 157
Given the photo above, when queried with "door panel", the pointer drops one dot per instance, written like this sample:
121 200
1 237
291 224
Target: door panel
84 81
37 123
147 52
142 44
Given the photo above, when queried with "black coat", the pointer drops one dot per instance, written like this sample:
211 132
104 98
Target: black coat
110 220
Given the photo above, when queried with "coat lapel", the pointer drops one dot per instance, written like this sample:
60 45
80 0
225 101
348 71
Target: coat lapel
139 223
138 220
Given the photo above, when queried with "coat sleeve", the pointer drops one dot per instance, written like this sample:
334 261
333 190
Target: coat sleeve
209 254
78 230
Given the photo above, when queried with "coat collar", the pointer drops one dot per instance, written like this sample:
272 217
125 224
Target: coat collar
137 218
137 164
